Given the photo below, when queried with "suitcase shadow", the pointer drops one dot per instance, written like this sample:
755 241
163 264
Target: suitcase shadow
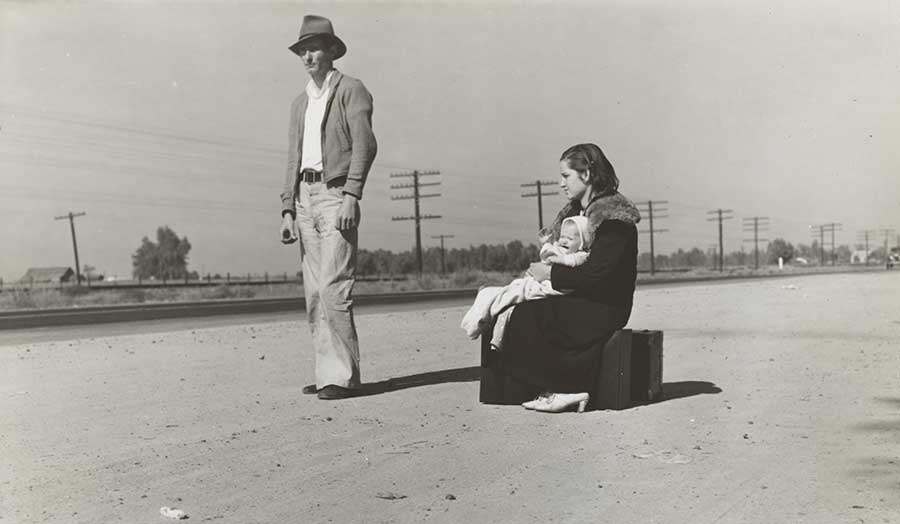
684 389
430 378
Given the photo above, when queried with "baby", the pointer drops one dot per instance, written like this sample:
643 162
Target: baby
492 305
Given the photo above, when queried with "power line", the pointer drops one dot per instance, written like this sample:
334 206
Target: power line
118 198
231 146
721 216
71 217
540 196
146 160
416 196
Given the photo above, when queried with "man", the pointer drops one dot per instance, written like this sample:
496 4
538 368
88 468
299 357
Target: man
332 148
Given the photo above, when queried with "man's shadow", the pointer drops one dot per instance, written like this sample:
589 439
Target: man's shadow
429 378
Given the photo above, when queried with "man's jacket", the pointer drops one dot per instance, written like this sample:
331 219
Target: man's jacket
348 143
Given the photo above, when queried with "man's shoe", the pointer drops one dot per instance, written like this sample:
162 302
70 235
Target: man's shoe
332 392
310 389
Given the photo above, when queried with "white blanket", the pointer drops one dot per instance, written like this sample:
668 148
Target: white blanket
494 299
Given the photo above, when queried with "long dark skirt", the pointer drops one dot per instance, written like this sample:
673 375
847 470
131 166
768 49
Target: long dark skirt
554 344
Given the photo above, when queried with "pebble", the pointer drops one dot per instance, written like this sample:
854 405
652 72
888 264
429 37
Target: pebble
389 495
172 513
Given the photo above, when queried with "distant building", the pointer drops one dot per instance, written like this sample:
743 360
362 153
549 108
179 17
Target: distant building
860 256
48 274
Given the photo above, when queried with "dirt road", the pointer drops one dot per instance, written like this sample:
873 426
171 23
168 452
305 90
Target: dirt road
783 406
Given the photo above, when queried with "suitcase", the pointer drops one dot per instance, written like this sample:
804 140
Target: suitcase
612 389
646 365
630 371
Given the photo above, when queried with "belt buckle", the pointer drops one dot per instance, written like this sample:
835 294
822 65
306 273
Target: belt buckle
311 175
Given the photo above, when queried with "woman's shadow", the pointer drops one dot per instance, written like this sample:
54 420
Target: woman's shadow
670 390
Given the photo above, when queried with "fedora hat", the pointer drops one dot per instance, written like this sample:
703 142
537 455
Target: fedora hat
318 26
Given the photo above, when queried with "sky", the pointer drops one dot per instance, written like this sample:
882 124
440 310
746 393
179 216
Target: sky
144 114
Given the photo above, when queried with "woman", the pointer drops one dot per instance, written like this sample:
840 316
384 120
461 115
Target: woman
553 345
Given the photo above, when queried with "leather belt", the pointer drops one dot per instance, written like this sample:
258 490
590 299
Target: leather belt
310 176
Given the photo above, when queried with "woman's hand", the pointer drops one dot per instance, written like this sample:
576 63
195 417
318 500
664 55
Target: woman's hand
539 271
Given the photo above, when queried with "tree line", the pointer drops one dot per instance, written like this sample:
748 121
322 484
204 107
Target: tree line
778 248
512 256
167 257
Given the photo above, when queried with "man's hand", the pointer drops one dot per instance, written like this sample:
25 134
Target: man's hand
348 214
539 271
288 234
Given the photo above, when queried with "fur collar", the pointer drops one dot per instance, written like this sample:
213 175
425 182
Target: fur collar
610 207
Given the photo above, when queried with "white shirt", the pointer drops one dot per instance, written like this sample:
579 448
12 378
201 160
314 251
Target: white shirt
312 123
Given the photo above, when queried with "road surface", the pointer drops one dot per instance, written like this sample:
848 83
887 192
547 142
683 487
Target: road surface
783 406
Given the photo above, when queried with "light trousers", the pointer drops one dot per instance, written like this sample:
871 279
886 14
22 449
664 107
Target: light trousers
329 267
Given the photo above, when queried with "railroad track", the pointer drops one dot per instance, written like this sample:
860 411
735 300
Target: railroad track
19 319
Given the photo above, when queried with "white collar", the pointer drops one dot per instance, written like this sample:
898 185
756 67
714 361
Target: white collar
314 92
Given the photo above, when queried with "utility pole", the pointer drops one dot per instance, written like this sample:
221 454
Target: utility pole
540 195
71 217
442 237
887 232
831 227
416 195
864 236
646 208
757 223
721 215
714 248
820 230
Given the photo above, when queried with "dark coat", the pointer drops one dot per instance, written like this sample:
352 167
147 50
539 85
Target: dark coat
553 344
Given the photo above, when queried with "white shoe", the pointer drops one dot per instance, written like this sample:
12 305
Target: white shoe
559 402
531 404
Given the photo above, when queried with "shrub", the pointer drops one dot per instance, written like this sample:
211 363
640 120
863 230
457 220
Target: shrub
466 278
427 282
133 296
225 291
75 291
23 299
